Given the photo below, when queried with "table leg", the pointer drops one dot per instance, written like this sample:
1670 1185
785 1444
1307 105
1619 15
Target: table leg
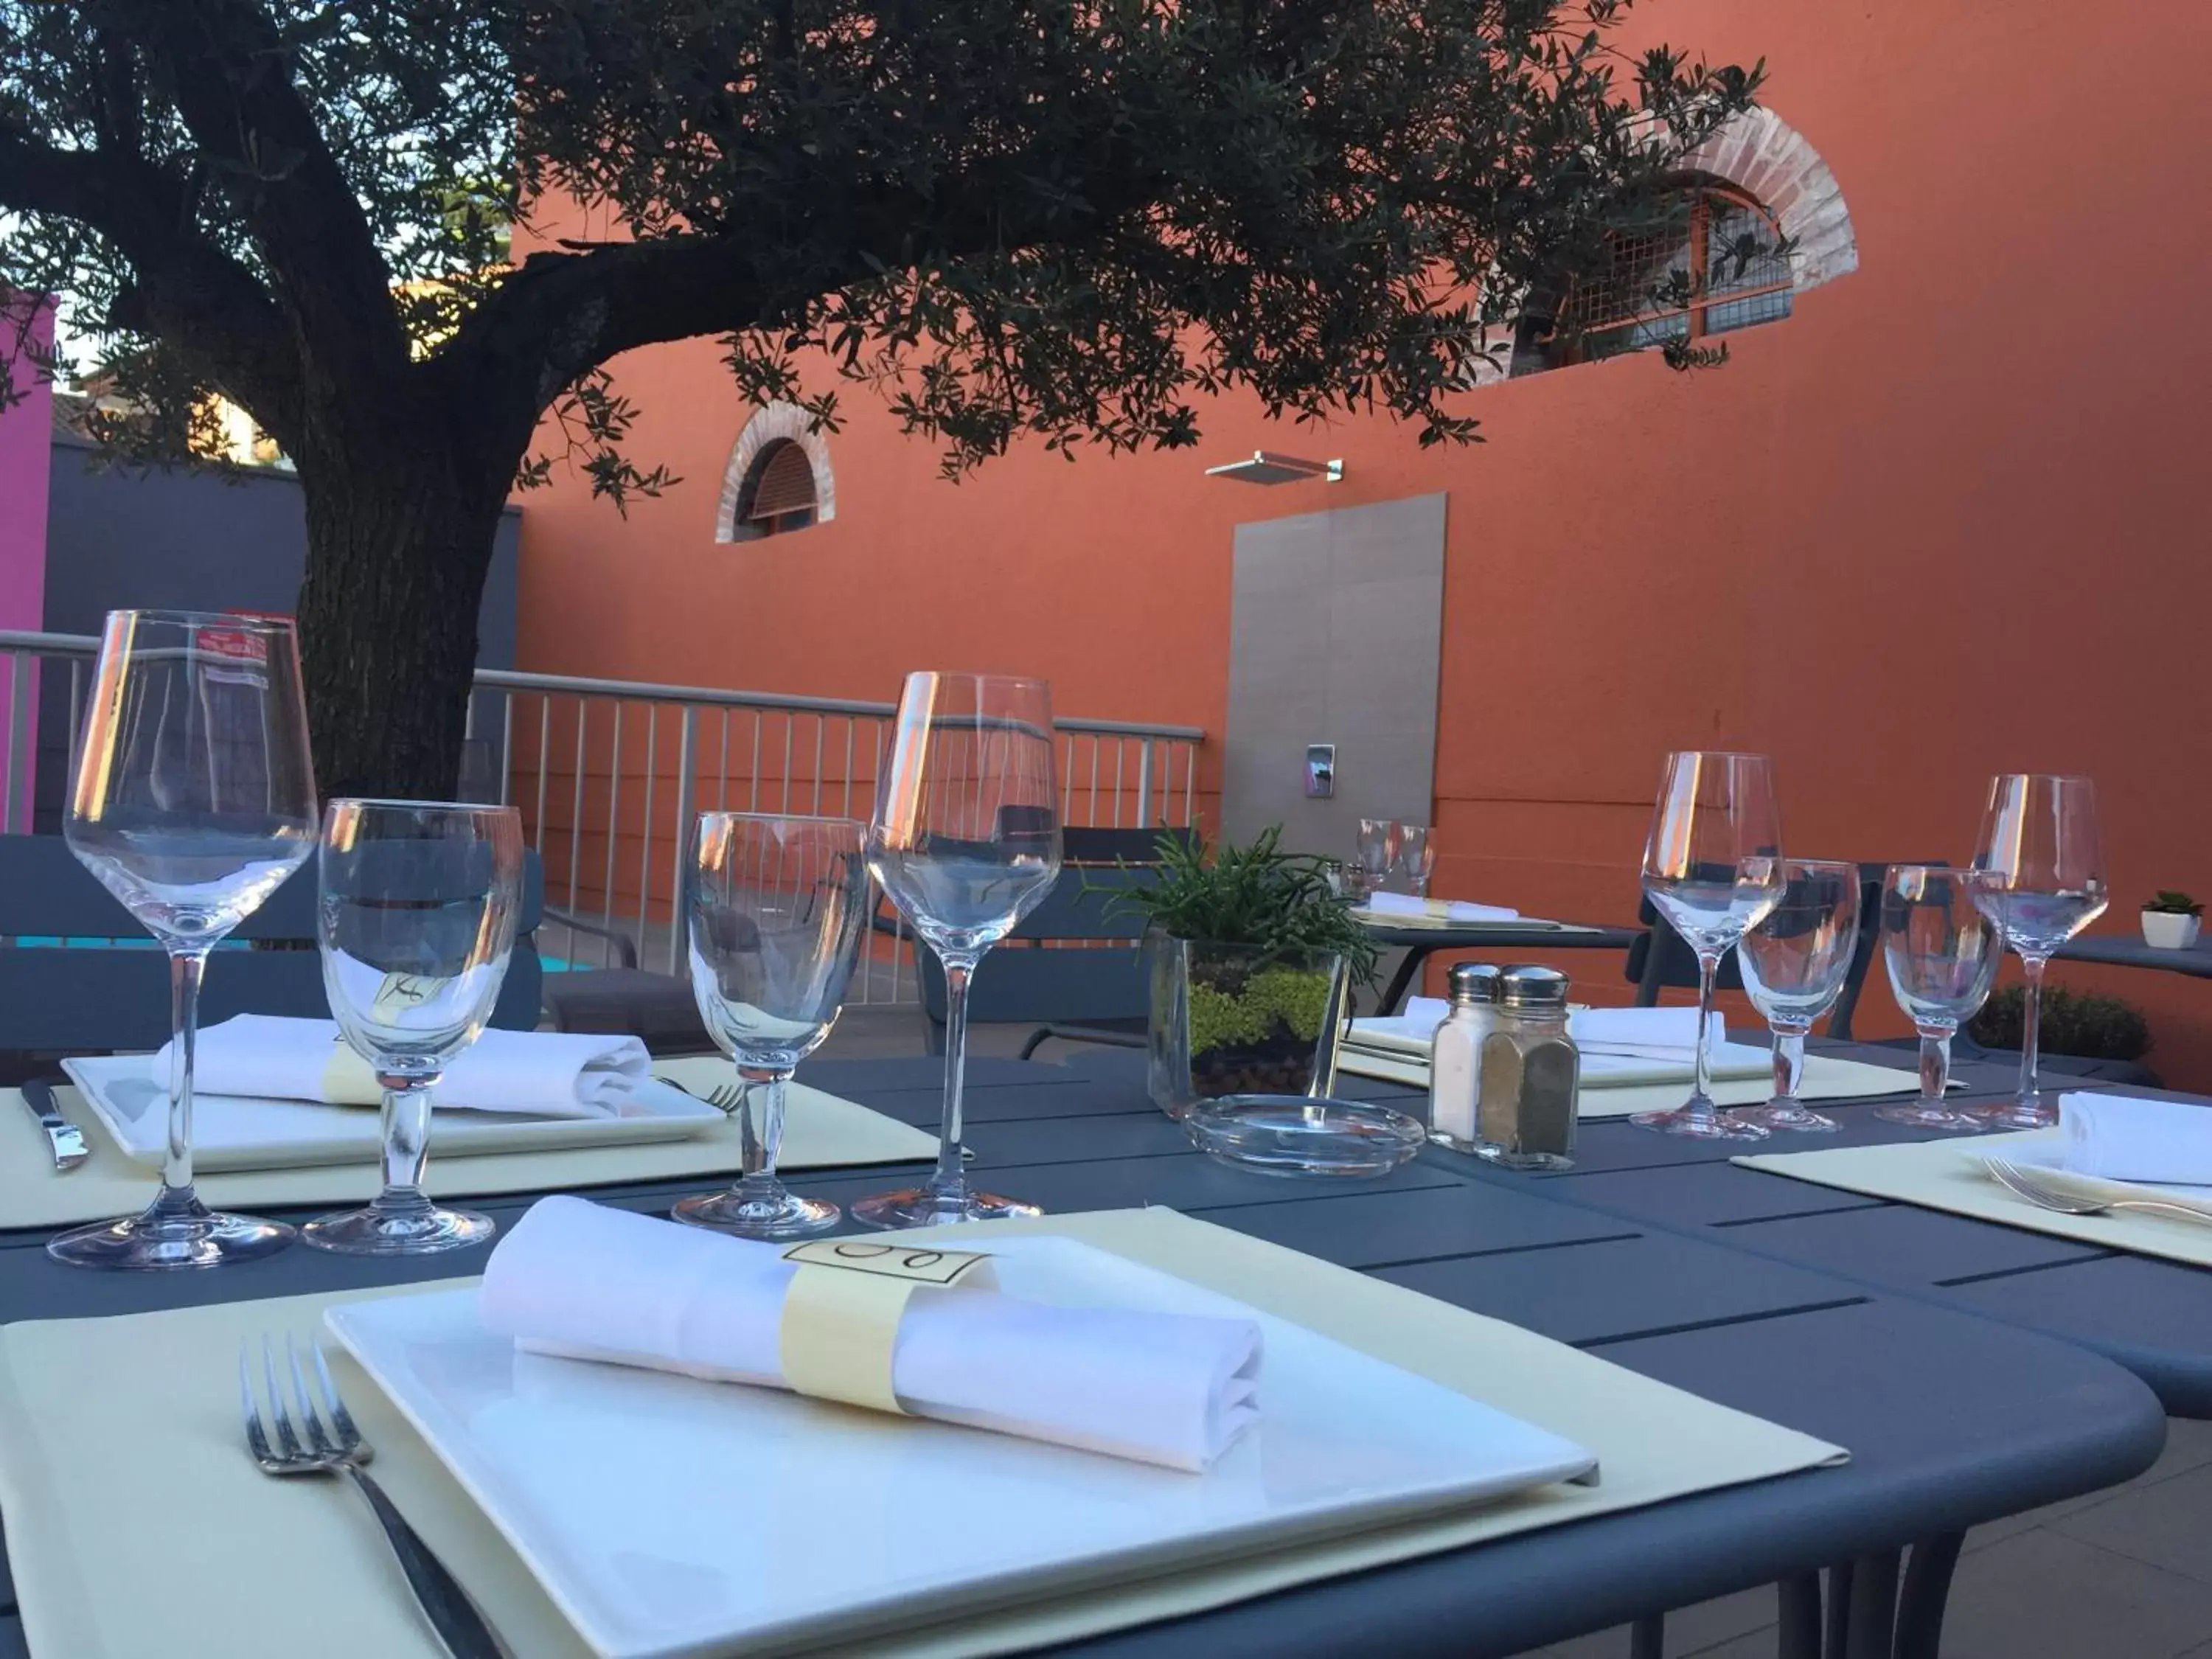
1837 1623
1926 1588
1872 1611
1417 956
1647 1637
1798 1603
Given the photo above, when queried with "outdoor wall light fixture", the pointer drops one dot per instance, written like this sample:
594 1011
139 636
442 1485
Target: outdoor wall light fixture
1266 467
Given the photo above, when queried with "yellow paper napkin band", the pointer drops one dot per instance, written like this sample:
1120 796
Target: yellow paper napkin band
840 1315
348 1079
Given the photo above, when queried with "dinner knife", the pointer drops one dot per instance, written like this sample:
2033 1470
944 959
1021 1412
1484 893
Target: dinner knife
64 1139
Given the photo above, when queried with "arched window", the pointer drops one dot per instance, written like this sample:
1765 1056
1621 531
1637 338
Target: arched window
778 478
1705 262
778 494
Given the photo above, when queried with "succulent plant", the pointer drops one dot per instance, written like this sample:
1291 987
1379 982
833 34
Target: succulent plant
2167 903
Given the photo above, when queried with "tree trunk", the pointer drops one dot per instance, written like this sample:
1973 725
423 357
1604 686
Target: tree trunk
399 544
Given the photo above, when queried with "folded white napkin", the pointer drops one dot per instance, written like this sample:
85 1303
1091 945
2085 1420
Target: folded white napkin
2128 1138
1638 1033
545 1073
1643 1033
581 1280
1407 904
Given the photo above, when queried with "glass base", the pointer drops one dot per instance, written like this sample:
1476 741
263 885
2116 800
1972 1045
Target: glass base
1925 1115
921 1206
2012 1114
1698 1121
1790 1115
419 1230
182 1235
1506 1158
786 1215
1300 1135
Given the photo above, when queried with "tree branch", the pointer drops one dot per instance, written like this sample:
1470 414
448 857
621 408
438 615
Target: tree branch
188 291
232 86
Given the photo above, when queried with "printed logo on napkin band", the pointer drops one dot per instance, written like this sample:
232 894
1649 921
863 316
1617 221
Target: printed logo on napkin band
401 992
915 1265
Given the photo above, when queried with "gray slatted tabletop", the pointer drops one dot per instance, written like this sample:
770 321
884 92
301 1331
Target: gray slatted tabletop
2153 1317
1951 1419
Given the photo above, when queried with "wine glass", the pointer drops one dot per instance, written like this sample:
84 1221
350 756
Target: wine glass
774 910
419 904
966 841
1795 960
193 800
2040 845
1377 846
1942 950
1713 868
1416 857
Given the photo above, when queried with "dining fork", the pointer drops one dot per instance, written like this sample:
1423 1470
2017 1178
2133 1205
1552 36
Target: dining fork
312 1448
2043 1194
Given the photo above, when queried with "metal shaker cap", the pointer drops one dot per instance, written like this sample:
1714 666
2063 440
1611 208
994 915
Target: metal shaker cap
1538 989
1474 981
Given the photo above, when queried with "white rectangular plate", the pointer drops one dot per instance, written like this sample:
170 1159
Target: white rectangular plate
669 1517
237 1132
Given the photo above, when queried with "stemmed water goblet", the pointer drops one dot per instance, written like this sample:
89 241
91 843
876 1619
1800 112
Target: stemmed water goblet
1942 950
2040 848
419 905
966 841
1795 961
1377 847
774 911
1416 858
1713 868
193 800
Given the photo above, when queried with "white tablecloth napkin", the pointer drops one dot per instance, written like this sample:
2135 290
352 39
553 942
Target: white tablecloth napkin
544 1073
1406 904
584 1281
1638 1033
2129 1138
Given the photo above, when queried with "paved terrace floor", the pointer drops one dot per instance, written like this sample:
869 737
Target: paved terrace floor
2121 1574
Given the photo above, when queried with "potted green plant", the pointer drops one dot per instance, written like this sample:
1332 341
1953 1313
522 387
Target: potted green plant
2171 921
1249 951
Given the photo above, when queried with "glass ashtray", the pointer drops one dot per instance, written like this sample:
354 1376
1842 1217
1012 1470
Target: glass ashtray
1300 1135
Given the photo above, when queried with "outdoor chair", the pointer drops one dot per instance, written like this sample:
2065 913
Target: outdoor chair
1069 968
79 977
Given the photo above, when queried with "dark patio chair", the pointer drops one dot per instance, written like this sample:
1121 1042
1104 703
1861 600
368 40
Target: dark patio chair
106 991
1069 968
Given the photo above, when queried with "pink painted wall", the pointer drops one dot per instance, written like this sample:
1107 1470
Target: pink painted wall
25 439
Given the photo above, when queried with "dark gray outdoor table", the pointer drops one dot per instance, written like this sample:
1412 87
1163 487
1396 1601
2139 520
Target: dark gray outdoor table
1951 1420
2118 950
2153 1317
1419 944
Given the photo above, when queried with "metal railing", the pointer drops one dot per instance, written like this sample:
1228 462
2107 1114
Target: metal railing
608 775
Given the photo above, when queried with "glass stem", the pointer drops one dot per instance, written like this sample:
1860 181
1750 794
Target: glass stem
2031 1028
406 1139
1934 1064
1789 1061
949 1185
186 968
1709 967
760 1134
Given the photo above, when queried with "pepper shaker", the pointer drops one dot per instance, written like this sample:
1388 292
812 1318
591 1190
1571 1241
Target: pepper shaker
1455 1055
1530 1071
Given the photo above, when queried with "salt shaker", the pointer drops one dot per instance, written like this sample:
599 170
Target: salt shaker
1455 1055
1530 1069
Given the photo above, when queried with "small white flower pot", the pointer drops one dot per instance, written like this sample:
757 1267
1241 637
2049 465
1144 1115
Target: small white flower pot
2169 930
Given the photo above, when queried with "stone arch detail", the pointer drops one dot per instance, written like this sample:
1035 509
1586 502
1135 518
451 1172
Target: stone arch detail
771 422
1765 157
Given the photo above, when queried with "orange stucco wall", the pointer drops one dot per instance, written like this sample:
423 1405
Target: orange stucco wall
1944 520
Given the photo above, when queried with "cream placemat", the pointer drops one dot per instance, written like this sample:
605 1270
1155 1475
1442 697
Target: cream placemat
820 1132
298 1566
1947 1175
1826 1078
